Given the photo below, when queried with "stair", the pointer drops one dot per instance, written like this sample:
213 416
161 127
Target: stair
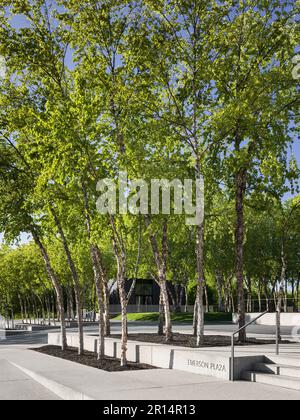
282 375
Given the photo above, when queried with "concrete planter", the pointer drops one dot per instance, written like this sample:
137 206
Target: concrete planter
202 362
286 319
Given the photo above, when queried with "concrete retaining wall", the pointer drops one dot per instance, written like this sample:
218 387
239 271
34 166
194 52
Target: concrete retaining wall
196 361
90 342
287 319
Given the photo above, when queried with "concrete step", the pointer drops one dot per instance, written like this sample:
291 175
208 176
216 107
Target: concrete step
285 360
271 379
16 385
277 369
56 387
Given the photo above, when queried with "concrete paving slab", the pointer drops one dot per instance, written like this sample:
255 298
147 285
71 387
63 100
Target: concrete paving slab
208 391
15 385
9 373
158 384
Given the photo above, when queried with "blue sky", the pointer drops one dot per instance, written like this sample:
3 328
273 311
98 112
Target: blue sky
24 238
296 149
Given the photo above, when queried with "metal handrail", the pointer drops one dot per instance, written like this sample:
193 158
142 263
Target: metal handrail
243 328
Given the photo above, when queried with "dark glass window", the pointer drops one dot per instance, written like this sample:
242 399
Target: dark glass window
143 288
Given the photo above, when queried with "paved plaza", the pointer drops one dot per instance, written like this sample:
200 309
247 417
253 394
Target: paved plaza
41 337
29 375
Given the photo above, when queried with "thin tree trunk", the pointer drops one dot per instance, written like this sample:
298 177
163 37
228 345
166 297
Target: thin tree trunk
206 299
161 264
12 317
266 296
22 308
241 180
72 304
195 317
106 309
173 298
53 308
226 298
69 316
137 264
293 295
220 283
161 318
35 316
297 294
167 312
99 288
106 294
285 295
25 311
97 275
42 309
75 282
180 302
120 256
48 305
7 323
201 282
232 302
94 299
28 306
124 323
53 277
259 296
249 294
186 299
281 286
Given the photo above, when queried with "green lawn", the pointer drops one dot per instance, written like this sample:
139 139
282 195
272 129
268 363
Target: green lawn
179 317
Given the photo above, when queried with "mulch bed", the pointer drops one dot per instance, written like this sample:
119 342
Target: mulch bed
187 340
109 364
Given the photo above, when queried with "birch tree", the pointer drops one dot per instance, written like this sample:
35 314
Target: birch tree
259 101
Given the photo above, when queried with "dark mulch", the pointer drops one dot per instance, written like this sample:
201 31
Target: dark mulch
187 340
109 364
